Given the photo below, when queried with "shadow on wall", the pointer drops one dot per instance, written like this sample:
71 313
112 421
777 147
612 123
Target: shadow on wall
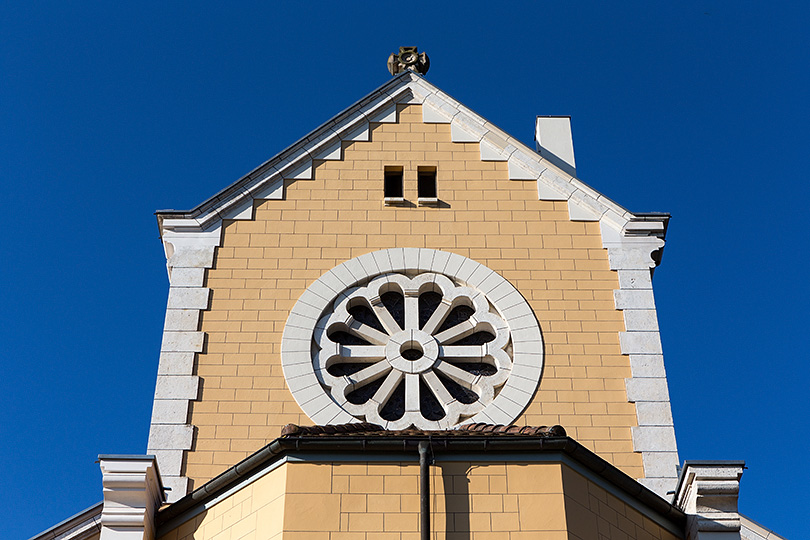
190 530
452 497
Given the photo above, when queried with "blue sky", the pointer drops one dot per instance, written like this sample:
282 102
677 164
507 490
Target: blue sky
110 111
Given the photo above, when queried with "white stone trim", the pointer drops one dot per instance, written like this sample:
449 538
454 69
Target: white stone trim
300 330
708 492
584 203
132 495
190 245
189 252
170 434
630 253
524 163
82 526
751 530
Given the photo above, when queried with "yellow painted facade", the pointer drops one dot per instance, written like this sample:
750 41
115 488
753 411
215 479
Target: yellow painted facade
380 501
593 512
255 512
265 264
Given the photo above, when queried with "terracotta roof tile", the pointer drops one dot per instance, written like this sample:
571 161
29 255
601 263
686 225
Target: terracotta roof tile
466 430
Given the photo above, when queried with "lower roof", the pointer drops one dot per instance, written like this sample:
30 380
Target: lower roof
482 442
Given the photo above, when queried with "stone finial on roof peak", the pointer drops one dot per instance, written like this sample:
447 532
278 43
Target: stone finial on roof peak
408 58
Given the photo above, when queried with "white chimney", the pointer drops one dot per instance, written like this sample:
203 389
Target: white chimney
552 135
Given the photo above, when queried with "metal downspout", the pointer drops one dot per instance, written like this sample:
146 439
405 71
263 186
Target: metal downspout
424 489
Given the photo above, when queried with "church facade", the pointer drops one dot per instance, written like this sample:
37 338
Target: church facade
410 325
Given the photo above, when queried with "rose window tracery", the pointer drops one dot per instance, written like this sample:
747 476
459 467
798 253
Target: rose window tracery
419 351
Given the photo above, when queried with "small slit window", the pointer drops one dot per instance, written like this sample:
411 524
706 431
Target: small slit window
392 187
426 185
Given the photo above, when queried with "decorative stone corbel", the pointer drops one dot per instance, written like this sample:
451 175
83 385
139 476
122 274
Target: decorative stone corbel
132 494
707 492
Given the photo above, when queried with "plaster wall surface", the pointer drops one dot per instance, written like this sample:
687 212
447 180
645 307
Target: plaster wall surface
265 264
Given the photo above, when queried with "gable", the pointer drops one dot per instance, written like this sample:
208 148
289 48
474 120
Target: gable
326 142
240 262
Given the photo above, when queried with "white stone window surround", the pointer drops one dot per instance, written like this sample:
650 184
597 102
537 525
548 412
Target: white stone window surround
300 330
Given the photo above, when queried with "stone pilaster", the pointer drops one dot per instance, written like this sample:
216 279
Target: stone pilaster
708 493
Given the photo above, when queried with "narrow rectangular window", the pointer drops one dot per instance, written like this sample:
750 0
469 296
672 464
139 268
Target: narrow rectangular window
393 183
426 185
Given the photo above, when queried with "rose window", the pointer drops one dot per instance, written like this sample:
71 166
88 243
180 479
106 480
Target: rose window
412 337
421 351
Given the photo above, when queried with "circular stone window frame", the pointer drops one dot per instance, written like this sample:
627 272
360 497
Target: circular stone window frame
297 339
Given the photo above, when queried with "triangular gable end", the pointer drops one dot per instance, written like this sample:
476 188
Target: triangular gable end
190 239
325 143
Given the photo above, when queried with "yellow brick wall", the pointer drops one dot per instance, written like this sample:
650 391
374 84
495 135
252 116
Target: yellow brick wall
265 264
380 501
592 512
253 513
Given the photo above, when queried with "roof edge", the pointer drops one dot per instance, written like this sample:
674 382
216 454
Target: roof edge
485 442
324 143
314 135
89 517
758 528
